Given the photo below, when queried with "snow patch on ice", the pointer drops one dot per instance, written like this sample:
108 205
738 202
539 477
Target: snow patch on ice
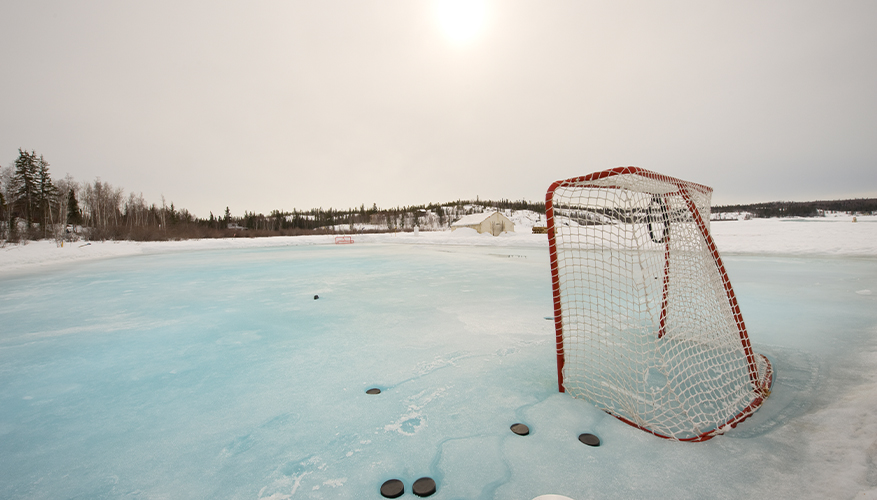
440 362
289 478
839 438
413 420
335 483
408 424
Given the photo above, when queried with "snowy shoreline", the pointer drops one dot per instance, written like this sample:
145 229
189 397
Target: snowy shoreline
833 236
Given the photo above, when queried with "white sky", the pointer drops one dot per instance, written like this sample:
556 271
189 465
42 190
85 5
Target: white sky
290 104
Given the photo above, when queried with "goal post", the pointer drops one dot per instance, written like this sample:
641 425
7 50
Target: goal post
647 324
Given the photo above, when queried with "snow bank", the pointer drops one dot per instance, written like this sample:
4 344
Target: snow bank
834 236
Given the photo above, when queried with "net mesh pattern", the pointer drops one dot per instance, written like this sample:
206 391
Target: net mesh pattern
648 327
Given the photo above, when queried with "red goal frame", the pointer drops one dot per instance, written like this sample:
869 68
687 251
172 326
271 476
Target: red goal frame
763 389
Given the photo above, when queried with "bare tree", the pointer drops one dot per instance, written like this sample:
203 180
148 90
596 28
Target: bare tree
101 207
7 190
64 188
136 211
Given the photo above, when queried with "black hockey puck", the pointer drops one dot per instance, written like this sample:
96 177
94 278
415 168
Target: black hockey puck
373 390
424 487
520 429
589 439
392 489
316 297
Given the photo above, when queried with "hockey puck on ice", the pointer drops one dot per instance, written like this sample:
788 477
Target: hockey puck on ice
316 297
392 489
424 487
373 390
589 439
520 429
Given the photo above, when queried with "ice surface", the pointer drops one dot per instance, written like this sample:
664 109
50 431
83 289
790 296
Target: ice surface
213 373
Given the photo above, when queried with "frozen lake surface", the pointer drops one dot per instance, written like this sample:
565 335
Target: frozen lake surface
215 374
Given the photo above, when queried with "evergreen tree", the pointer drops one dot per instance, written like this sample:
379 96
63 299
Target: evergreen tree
74 215
25 188
278 221
47 194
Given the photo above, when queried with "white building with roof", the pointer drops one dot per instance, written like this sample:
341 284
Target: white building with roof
487 222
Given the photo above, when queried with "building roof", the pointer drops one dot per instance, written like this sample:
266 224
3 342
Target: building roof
474 219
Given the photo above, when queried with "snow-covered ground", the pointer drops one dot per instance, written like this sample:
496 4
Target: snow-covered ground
835 236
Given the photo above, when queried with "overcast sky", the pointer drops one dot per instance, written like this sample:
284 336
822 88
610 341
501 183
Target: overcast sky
292 104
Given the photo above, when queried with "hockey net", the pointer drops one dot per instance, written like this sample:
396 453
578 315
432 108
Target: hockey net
648 327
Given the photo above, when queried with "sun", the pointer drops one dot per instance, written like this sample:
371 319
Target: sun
461 21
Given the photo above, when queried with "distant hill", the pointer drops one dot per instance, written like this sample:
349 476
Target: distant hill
801 208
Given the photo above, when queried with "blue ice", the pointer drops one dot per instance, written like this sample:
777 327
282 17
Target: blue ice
216 374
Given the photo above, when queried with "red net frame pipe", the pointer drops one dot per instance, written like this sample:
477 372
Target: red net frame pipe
683 189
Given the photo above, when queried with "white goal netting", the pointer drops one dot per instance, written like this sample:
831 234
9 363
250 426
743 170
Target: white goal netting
648 327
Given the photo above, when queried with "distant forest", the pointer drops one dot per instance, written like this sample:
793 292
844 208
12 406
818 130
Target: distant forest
802 208
35 206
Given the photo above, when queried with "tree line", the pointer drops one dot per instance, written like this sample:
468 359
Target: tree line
802 208
34 206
